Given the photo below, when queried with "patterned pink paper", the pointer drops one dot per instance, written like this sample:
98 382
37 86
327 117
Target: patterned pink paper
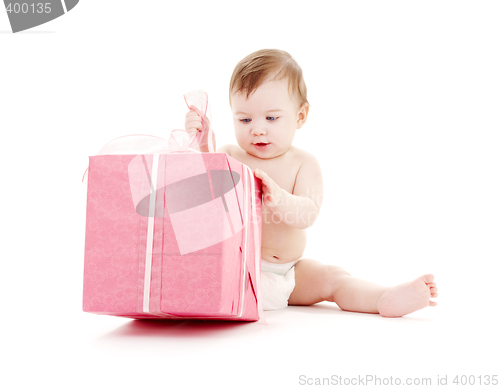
203 238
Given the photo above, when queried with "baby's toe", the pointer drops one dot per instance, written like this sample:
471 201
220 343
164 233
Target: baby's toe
433 291
428 278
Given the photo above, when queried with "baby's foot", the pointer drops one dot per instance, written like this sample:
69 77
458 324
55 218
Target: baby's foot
409 297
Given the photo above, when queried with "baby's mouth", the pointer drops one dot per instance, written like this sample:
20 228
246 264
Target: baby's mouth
261 146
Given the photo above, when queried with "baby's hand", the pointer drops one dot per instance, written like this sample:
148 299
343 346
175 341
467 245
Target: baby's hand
272 194
193 122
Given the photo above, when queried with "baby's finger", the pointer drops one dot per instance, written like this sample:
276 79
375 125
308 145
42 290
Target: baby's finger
192 113
193 123
268 183
195 113
268 199
266 180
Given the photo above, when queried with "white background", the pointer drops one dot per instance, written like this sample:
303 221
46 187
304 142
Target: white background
404 120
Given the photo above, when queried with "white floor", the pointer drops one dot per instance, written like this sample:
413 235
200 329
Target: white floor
404 121
298 346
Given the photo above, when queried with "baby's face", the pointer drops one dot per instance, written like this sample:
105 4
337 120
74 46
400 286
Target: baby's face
265 123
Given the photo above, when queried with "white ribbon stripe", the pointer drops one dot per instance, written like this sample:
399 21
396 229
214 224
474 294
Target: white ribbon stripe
149 241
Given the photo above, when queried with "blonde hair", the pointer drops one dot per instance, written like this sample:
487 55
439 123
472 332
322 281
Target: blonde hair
257 67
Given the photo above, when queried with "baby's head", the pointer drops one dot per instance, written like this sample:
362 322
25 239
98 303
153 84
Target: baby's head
268 97
268 64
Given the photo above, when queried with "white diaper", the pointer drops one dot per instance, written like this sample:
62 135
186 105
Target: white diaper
277 283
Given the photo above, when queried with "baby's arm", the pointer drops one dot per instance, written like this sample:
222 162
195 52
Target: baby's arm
301 208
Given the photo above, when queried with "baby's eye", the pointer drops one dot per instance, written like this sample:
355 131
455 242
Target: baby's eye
271 118
245 120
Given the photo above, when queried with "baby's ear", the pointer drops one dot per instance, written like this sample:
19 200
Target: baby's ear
302 115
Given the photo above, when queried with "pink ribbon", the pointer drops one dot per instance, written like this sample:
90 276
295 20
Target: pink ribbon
180 142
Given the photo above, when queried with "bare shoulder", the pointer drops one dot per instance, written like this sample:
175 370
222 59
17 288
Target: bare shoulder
309 169
304 157
227 149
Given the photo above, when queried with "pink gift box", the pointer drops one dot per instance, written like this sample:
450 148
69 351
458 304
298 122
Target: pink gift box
172 236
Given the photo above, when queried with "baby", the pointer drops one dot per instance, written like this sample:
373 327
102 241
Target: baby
268 99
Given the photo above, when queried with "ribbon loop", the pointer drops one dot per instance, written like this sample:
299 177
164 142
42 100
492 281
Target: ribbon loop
180 141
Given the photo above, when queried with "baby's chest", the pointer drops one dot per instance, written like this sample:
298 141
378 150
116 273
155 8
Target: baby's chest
285 178
283 174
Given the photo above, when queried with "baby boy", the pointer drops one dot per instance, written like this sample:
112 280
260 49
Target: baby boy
268 98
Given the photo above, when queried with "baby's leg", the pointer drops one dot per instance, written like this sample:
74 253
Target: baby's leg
316 282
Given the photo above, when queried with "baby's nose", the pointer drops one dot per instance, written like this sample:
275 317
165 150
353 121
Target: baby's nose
258 130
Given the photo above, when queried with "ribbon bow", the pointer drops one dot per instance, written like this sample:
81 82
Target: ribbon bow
180 142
